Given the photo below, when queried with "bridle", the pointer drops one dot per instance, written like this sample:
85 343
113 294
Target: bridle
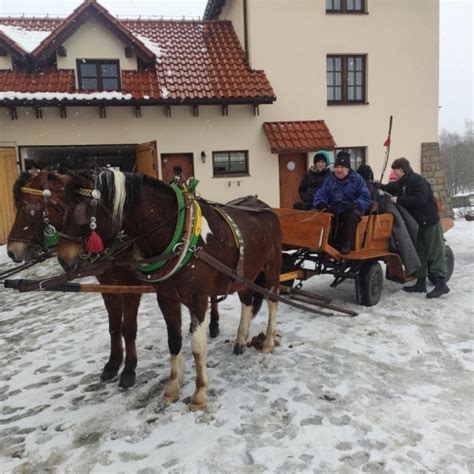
50 234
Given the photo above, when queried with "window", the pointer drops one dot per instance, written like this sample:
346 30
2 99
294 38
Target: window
227 163
346 82
98 75
345 6
358 154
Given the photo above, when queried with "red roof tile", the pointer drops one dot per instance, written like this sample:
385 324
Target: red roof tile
298 136
46 81
201 61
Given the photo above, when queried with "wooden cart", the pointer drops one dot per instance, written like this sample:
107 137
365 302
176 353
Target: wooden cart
308 252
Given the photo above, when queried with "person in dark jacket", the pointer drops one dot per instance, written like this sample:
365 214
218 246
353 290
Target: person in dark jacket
345 194
313 180
414 193
366 172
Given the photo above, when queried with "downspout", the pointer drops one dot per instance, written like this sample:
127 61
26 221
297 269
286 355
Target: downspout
246 33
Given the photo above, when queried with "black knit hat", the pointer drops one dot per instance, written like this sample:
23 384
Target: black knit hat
343 159
321 155
366 172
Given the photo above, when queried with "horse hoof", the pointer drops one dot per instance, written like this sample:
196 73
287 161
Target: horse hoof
127 380
267 350
108 373
168 399
214 332
238 350
197 406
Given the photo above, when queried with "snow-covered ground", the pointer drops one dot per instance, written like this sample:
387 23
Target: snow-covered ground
389 391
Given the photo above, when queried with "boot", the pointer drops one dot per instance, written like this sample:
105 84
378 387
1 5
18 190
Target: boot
440 289
418 287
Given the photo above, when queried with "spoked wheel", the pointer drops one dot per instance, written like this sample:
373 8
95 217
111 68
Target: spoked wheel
449 255
370 283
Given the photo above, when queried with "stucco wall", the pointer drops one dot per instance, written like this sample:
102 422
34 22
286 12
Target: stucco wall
182 133
290 41
93 41
5 62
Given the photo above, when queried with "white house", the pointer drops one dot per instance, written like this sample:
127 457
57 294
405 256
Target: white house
240 100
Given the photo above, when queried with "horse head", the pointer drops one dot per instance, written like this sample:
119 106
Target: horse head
40 198
95 205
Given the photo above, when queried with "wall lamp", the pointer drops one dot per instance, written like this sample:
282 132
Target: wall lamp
203 156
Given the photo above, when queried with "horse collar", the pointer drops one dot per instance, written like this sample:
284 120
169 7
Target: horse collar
185 237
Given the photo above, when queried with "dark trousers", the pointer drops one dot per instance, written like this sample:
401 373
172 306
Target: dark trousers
344 227
431 250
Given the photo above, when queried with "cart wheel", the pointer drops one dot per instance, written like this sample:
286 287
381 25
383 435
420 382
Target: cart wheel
449 255
370 283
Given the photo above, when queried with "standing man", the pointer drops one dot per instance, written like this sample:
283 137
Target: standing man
414 193
345 194
313 180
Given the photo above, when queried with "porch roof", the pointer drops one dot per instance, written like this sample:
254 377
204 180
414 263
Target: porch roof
298 136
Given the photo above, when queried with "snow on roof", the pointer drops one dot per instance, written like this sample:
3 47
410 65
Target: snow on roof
26 39
110 95
155 48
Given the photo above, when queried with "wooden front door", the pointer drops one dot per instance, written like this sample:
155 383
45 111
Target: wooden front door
147 162
292 168
170 160
8 175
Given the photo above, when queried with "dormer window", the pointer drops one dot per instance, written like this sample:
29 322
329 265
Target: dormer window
98 75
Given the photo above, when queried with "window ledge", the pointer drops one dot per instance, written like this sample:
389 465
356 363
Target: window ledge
232 175
334 12
338 104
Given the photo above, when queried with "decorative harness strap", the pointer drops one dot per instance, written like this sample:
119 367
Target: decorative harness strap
238 237
185 237
50 234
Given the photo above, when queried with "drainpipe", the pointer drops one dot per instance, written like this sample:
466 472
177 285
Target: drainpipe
246 33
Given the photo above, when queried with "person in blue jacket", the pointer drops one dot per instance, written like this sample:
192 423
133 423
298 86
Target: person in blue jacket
345 194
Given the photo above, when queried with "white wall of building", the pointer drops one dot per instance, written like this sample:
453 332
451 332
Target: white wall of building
93 40
5 62
289 40
181 133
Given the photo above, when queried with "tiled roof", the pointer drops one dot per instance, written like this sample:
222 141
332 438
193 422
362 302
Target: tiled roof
298 136
46 81
201 61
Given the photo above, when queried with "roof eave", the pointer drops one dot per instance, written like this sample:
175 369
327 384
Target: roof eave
84 12
135 102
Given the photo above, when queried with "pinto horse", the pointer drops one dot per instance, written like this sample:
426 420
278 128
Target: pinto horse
148 211
26 234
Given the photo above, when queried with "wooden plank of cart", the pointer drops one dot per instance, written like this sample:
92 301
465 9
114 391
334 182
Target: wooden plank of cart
308 252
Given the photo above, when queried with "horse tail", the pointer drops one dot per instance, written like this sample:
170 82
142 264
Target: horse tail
257 297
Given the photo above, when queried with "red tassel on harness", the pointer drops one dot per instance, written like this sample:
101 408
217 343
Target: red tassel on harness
387 142
94 243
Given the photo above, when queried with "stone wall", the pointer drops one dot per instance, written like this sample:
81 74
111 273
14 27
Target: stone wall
432 168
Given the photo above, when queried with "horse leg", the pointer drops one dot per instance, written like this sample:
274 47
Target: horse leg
114 310
199 350
269 342
129 332
243 331
214 324
171 310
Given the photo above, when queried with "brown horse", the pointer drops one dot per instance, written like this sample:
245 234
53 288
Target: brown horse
148 211
26 236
